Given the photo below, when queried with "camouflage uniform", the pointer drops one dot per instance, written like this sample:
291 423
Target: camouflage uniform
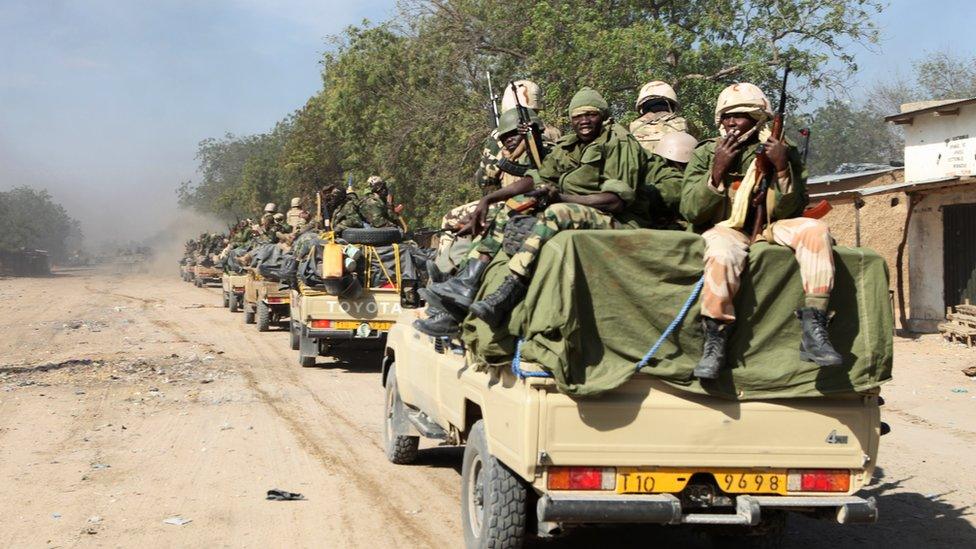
376 212
705 205
650 128
347 216
294 217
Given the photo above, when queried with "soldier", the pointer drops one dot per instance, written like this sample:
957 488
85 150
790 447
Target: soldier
294 217
657 104
375 206
717 199
598 194
270 208
488 177
343 207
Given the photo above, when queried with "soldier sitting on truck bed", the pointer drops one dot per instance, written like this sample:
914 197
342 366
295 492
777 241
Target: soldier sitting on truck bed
375 207
717 199
451 298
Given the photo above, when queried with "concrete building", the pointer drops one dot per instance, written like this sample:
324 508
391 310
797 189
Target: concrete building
921 219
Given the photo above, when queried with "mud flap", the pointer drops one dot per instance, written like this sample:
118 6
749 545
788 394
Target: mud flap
307 346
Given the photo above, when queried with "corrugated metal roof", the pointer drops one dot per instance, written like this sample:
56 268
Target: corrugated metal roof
907 116
836 177
907 186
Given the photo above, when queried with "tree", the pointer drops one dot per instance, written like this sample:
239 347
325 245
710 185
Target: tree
842 132
31 219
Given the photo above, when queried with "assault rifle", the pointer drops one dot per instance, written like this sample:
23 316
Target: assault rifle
764 166
491 106
533 136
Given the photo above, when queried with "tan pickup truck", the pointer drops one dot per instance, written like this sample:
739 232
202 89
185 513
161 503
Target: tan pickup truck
204 276
265 302
232 286
537 459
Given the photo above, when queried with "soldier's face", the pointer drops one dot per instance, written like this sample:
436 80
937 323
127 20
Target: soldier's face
737 122
511 140
587 125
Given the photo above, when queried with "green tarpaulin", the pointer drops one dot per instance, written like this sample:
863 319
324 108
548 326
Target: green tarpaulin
599 300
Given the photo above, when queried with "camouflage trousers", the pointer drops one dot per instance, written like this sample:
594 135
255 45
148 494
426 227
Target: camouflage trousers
726 252
557 217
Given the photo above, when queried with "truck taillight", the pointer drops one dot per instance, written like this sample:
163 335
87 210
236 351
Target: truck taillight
238 288
274 300
321 323
582 478
818 480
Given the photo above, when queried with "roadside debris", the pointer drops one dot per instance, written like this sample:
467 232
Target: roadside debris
959 390
970 372
177 521
280 495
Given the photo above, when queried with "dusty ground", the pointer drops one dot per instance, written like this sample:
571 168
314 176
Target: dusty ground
126 400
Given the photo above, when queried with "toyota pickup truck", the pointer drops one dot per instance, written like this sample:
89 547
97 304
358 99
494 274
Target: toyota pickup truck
233 290
540 461
265 302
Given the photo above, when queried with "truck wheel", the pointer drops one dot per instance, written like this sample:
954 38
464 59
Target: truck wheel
198 283
293 340
235 304
306 361
400 449
226 300
493 499
248 315
263 317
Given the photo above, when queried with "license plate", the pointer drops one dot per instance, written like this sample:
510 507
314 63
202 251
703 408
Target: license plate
636 481
353 324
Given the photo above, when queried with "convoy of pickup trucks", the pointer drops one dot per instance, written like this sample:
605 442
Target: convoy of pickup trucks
550 445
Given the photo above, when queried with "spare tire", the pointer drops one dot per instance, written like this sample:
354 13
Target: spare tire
374 237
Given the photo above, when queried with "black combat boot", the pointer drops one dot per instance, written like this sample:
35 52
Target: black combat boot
439 324
815 344
434 272
461 288
495 308
713 356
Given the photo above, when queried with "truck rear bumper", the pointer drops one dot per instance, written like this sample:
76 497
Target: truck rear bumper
343 334
666 509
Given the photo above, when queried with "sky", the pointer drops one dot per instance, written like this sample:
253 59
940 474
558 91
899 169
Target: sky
103 102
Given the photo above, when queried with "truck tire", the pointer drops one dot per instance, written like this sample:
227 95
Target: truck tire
293 337
226 300
248 315
400 449
263 316
198 283
235 303
306 361
494 500
373 237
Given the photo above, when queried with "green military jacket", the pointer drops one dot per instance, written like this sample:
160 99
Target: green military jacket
376 212
613 162
703 206
347 216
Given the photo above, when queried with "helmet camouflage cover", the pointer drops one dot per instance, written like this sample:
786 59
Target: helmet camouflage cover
743 98
676 146
656 89
529 95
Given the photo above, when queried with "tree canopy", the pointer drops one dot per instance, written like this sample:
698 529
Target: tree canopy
31 219
405 99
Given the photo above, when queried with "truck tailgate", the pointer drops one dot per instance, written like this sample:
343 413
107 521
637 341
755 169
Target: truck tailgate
648 423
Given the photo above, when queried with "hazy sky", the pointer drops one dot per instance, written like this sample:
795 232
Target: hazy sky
102 102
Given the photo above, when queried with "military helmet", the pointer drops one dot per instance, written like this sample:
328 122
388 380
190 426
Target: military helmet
509 121
270 207
743 98
676 146
529 95
279 216
654 90
374 179
296 202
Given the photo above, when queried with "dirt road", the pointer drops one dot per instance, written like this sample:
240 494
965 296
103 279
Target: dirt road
126 400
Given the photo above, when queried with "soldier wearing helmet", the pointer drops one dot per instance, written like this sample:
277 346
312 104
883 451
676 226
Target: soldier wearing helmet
717 199
375 207
343 208
294 217
489 176
270 208
657 105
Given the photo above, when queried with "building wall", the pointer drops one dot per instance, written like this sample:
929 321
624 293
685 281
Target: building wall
925 256
882 222
940 146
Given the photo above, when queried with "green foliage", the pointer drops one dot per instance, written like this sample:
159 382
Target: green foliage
405 99
30 219
845 133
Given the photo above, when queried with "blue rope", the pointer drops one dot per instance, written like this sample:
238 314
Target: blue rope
517 364
522 374
674 323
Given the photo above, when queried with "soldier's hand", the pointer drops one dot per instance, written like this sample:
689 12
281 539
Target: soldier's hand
777 154
523 128
725 152
479 219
